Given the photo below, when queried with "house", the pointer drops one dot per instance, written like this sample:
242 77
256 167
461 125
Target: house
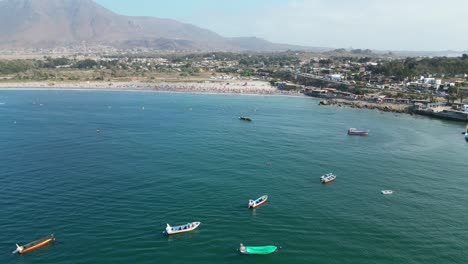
423 102
316 93
336 77
460 106
288 86
435 105
403 101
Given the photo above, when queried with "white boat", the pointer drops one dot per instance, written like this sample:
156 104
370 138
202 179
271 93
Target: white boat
355 132
260 201
170 230
387 192
327 178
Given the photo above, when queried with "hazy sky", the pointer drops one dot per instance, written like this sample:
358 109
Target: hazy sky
375 24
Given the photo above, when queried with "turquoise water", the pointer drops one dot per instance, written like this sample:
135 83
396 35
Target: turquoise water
174 158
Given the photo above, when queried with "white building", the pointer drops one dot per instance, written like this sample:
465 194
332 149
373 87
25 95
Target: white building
336 77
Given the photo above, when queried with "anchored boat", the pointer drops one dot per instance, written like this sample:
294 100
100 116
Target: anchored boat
170 230
259 202
262 250
245 118
386 192
327 178
355 132
34 245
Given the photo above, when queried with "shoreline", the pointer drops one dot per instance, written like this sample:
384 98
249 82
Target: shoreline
257 88
253 88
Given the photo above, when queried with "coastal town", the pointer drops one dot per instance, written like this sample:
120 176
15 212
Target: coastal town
207 132
435 86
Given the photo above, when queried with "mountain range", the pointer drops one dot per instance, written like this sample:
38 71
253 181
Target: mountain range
67 23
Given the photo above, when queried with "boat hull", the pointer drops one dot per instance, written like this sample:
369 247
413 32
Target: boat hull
182 229
328 178
358 133
259 202
328 181
37 244
258 205
262 250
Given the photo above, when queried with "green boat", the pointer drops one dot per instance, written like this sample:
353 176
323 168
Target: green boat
262 250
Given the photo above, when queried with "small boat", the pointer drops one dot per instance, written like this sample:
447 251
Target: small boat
244 118
259 202
327 178
386 192
355 132
34 245
261 250
466 134
170 230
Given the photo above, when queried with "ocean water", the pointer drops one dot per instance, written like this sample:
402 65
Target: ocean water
173 158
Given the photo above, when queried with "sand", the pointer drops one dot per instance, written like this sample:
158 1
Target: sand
226 87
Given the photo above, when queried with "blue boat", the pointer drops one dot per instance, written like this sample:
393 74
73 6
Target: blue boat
260 201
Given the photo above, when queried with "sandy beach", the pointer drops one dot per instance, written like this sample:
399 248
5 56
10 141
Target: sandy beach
231 87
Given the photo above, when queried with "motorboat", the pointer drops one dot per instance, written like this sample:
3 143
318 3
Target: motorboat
327 178
245 118
259 202
260 250
34 245
170 230
355 132
386 192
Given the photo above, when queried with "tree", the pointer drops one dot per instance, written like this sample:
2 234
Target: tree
86 64
451 98
452 90
462 94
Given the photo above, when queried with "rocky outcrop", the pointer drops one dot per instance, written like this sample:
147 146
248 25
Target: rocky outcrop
396 108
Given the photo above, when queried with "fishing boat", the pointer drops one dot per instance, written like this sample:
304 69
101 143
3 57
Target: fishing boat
355 132
259 202
327 178
386 192
170 230
245 118
261 250
34 245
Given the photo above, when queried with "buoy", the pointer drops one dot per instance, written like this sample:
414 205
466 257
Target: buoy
98 131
